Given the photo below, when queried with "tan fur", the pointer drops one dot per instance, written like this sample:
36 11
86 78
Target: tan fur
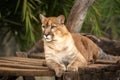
63 50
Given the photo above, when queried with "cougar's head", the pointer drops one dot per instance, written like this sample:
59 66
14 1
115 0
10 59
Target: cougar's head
53 27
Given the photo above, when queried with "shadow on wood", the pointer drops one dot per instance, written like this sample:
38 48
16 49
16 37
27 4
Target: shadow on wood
71 76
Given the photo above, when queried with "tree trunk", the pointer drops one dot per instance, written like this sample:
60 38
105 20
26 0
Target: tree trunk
77 15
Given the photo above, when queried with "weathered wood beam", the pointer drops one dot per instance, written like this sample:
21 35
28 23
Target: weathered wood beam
107 45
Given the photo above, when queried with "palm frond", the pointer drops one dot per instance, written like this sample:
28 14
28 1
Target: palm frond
18 4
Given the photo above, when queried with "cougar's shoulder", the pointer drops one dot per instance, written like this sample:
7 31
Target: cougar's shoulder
86 46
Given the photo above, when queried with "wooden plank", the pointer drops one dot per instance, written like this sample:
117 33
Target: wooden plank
8 77
17 66
37 56
102 66
5 71
99 65
40 63
22 60
28 78
21 66
99 68
106 62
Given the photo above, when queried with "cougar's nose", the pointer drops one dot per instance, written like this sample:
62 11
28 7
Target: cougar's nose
46 34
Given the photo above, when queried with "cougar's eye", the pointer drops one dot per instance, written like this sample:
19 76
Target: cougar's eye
43 26
53 27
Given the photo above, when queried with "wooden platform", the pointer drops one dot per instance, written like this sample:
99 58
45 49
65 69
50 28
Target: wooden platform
17 66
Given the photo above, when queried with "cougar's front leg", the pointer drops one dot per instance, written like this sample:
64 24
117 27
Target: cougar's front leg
76 63
56 66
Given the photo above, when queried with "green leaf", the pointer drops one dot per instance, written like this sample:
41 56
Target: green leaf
0 15
30 5
24 9
34 18
27 23
96 10
18 4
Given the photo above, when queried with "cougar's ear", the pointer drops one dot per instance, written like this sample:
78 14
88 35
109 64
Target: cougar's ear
61 19
42 18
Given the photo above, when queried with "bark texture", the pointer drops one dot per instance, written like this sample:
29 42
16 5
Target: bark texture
77 15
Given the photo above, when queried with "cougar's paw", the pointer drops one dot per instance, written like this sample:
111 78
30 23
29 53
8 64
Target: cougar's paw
72 68
59 71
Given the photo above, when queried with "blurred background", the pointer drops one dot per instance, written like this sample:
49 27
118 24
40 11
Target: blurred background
20 25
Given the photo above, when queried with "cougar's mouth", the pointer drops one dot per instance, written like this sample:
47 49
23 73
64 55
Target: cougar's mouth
48 38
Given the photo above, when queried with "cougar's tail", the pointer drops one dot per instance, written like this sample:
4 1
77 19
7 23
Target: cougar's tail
104 56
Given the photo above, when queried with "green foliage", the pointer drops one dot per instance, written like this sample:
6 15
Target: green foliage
103 19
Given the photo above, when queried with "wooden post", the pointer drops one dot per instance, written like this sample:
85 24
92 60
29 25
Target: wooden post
59 78
28 78
71 76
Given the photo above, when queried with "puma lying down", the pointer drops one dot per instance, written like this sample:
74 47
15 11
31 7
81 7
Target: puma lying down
65 51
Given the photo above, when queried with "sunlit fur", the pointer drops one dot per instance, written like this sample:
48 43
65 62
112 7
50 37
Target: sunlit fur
63 50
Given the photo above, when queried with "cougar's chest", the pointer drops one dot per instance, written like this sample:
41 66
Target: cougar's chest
64 51
66 56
